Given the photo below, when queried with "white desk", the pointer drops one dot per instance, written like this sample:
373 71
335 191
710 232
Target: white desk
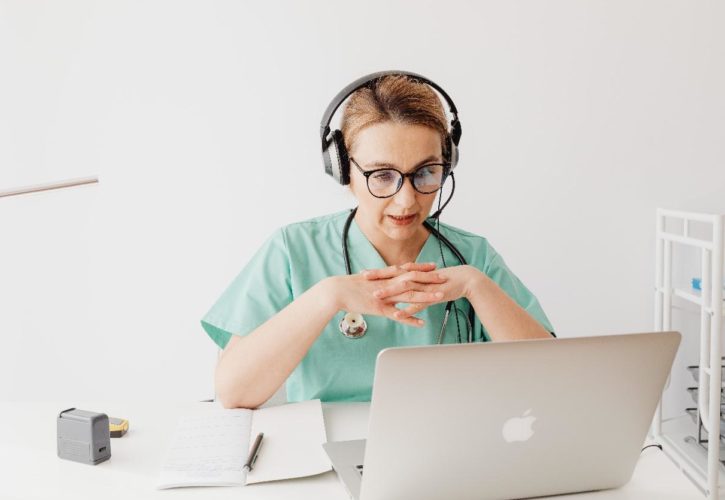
29 467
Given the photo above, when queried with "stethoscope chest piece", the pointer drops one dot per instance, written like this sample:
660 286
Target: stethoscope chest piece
353 325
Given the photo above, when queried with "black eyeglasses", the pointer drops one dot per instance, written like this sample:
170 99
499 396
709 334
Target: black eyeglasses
385 182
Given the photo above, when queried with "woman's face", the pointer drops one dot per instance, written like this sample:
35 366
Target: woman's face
404 147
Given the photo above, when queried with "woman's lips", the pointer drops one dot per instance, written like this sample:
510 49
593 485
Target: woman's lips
399 220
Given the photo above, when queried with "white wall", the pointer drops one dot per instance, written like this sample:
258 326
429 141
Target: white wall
201 119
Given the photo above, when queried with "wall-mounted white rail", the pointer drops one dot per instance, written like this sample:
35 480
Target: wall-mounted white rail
705 469
48 186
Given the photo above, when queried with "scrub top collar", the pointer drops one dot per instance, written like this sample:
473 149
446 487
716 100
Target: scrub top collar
363 255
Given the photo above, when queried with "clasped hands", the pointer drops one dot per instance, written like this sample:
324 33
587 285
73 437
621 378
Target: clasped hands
377 291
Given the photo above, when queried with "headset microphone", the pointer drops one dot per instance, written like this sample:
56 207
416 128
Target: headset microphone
438 212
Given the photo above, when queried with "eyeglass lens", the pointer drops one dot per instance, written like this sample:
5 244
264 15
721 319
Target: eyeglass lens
426 179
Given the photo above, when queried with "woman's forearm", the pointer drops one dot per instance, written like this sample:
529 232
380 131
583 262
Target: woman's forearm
253 367
503 318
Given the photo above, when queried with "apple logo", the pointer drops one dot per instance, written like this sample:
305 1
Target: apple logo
519 428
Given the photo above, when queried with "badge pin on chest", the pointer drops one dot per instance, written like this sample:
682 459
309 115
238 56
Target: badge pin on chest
353 325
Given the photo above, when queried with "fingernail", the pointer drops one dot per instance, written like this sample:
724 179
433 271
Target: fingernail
439 294
441 277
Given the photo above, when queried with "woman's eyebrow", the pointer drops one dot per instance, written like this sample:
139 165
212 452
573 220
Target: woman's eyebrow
429 159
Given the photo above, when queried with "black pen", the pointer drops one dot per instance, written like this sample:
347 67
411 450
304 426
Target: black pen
254 453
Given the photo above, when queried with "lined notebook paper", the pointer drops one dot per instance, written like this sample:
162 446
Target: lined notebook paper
211 449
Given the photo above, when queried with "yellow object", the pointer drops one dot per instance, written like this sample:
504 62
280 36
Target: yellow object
117 426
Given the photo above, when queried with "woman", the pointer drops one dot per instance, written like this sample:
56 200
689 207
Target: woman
293 313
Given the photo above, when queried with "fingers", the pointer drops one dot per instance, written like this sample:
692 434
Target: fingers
415 266
384 273
415 281
424 277
393 271
409 311
394 313
413 297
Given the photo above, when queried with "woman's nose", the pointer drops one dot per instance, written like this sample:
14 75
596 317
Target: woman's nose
406 196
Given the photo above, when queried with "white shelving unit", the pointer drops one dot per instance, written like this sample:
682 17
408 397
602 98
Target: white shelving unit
703 467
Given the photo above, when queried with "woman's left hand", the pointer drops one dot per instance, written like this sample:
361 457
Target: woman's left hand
459 282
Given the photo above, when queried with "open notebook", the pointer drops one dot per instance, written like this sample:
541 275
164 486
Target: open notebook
211 449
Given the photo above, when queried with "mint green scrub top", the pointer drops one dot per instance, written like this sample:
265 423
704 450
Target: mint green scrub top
337 368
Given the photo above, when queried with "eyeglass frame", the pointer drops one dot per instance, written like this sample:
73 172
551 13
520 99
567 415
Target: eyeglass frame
368 173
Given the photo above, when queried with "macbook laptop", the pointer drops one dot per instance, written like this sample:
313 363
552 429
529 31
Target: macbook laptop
507 419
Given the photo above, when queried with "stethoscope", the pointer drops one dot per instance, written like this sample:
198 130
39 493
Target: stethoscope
353 325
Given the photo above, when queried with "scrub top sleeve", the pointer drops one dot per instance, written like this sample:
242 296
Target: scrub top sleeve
258 292
499 272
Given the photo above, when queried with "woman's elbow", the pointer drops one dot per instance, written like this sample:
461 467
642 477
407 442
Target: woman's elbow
230 401
231 404
227 394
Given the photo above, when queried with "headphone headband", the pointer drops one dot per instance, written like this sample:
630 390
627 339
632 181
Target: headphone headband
365 81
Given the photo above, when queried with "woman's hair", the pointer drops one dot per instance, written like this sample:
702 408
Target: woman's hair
396 98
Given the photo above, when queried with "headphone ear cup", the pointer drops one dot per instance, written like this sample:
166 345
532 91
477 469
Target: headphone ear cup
454 137
342 155
335 158
452 156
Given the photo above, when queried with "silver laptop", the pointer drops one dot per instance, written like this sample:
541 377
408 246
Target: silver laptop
507 419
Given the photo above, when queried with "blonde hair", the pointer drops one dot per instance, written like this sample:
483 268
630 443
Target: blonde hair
396 98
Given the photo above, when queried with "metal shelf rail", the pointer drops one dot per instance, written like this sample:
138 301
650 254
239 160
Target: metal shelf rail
707 475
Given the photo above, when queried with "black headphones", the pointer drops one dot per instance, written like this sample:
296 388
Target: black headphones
334 153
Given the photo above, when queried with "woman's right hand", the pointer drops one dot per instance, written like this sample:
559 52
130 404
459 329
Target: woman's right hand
354 293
